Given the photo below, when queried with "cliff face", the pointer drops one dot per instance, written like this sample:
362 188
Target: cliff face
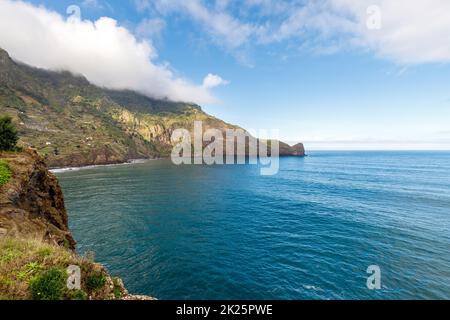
71 122
299 150
36 244
32 203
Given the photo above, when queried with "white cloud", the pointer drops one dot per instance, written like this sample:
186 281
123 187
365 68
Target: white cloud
142 5
150 28
106 53
212 80
223 27
222 4
91 4
412 31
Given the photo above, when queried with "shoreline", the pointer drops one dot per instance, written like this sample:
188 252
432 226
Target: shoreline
129 162
85 167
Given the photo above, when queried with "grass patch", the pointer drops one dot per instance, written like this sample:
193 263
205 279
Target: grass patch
9 254
31 269
5 172
117 288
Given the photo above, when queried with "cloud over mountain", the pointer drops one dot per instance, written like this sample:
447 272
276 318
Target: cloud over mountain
103 51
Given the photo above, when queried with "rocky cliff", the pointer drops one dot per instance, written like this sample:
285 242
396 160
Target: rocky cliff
36 246
32 203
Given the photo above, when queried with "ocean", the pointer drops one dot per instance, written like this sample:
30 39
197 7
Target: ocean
309 232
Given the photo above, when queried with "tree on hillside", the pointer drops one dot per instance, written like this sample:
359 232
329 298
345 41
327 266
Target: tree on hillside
8 134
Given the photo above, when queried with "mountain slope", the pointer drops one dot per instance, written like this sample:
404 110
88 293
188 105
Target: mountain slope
72 122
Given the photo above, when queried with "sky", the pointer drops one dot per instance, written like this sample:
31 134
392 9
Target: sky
334 74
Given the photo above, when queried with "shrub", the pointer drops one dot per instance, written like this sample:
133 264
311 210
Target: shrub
95 281
77 295
5 172
8 134
49 285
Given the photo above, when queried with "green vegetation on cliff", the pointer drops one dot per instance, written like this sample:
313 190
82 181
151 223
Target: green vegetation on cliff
8 134
5 172
31 269
72 122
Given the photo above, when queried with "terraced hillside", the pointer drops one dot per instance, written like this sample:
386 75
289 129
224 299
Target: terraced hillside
73 123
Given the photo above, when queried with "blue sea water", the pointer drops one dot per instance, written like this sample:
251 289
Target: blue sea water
310 232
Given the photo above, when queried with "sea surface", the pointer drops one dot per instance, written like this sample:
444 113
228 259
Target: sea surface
309 232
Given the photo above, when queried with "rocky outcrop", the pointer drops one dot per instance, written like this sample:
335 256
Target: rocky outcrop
299 150
32 203
34 225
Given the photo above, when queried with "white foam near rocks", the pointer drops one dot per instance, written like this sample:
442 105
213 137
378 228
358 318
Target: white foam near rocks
134 161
